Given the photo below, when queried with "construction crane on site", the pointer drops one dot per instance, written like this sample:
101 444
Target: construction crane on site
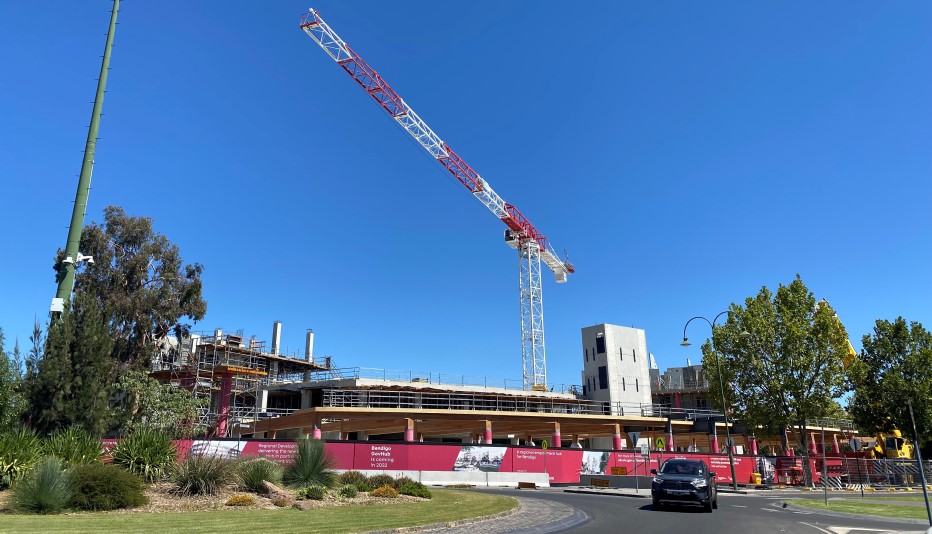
521 235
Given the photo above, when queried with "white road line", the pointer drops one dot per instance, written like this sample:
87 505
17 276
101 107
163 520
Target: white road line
738 506
769 510
820 529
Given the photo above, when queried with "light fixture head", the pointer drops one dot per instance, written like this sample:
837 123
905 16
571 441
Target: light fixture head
67 260
744 334
685 342
88 259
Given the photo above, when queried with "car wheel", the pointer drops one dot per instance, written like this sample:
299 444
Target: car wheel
715 502
657 505
708 506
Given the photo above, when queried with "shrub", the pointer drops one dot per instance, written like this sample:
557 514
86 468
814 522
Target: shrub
74 446
349 491
203 474
253 472
377 481
46 490
241 500
352 477
148 453
300 494
281 502
415 489
20 451
316 492
401 481
312 465
385 491
106 487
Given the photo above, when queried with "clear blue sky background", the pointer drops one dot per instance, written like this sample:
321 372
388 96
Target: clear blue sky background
684 153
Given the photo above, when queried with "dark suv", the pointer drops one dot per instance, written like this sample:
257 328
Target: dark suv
682 481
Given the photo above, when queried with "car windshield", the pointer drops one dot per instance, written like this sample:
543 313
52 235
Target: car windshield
681 468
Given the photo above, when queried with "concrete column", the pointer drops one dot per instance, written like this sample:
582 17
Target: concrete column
226 387
515 441
713 442
316 432
556 438
670 445
676 400
409 430
487 435
813 448
835 448
752 445
529 440
616 438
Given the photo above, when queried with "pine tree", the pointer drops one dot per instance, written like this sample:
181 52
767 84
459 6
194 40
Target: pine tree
50 390
92 368
36 351
11 403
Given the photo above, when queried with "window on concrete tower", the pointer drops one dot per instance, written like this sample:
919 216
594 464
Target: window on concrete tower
603 377
587 355
636 386
600 345
621 354
634 354
622 383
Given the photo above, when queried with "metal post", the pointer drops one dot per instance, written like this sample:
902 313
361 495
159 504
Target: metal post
922 472
67 270
824 468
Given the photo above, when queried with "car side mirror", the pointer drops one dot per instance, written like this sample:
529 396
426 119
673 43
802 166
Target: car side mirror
653 471
713 475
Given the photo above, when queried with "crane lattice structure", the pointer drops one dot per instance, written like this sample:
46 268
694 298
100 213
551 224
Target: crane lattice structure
521 235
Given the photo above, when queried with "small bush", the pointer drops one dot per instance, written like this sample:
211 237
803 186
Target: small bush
415 489
148 453
20 451
253 472
377 481
241 500
351 477
106 487
349 491
300 494
312 465
74 446
46 490
281 502
401 481
385 491
316 493
202 474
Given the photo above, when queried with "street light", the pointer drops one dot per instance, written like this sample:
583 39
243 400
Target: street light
721 387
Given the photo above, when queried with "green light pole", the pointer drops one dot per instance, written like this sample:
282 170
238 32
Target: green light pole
72 257
721 387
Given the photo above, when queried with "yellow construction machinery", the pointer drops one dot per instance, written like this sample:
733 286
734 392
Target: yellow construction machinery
891 445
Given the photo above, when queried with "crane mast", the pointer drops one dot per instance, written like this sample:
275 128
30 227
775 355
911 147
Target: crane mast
532 246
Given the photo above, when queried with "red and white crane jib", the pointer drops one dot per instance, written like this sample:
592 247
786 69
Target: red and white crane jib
394 105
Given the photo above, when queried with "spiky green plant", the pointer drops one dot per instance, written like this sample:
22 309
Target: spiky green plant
148 453
253 472
312 465
20 451
203 474
349 491
74 446
355 478
46 490
316 493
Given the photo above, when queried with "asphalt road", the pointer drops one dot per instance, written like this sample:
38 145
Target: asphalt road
736 514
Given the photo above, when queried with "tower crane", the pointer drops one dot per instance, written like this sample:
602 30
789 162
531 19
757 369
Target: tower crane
521 235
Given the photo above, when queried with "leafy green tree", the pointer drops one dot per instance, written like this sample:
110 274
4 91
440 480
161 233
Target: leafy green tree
140 280
36 350
72 383
147 404
895 365
789 369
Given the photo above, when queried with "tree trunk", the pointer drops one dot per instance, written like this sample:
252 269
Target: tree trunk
804 446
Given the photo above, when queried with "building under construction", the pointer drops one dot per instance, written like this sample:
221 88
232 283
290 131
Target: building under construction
233 372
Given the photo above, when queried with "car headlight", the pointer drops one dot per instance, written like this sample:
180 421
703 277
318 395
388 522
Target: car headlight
701 483
658 481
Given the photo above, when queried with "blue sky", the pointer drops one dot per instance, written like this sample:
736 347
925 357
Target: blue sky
683 153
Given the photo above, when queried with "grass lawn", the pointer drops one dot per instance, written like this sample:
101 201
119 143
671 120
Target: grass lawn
855 506
447 505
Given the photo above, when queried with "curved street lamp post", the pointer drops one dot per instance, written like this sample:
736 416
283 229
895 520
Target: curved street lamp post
721 387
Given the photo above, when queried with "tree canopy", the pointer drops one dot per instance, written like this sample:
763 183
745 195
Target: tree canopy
140 280
788 368
893 366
